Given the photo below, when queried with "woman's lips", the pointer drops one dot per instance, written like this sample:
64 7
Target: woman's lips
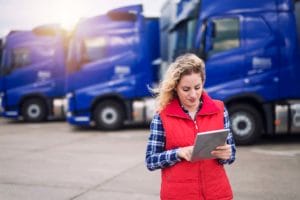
192 100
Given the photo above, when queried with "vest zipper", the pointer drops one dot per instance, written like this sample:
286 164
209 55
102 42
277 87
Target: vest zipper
196 126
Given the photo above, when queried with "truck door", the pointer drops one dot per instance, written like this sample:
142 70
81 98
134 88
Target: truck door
241 59
224 56
28 71
262 57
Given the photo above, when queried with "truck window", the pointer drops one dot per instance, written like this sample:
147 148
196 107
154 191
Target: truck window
101 47
226 35
20 57
93 49
32 53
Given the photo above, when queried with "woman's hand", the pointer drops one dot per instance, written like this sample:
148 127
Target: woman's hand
185 153
222 152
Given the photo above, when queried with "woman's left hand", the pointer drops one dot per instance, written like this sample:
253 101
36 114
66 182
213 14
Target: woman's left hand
222 152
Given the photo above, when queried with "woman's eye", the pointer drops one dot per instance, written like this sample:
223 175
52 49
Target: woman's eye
185 89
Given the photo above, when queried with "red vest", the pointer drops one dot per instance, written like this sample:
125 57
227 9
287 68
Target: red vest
205 179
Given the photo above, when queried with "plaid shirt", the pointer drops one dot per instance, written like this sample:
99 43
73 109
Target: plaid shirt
156 155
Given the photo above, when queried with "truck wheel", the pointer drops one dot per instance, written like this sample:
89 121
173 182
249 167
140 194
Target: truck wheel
34 110
246 123
109 115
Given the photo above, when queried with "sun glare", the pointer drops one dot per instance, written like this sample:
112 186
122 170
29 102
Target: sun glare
67 13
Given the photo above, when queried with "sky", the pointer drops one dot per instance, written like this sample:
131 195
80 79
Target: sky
27 14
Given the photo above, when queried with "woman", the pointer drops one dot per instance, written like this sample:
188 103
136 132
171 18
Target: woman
184 109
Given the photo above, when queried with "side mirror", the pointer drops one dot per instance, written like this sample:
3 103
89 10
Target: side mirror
210 34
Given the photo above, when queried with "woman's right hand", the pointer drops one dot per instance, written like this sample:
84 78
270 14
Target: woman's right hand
185 153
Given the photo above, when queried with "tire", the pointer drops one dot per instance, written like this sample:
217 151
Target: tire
34 110
109 115
246 123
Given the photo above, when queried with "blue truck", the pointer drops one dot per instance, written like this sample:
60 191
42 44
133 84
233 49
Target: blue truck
32 73
112 60
252 55
1 82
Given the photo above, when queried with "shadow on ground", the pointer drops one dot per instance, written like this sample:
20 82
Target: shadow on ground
279 139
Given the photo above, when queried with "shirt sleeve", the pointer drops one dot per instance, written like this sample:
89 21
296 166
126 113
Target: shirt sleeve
230 139
156 155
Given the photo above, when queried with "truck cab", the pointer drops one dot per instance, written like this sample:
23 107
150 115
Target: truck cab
110 66
251 50
1 79
33 73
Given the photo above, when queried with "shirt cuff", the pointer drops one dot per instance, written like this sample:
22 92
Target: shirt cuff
223 162
176 154
228 161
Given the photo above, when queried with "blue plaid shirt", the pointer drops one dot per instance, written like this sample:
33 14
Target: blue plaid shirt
156 155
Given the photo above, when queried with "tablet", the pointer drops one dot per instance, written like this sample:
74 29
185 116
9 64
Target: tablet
206 142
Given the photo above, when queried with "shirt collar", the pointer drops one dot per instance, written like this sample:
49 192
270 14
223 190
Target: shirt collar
186 111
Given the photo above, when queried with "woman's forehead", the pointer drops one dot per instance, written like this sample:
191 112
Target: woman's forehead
194 78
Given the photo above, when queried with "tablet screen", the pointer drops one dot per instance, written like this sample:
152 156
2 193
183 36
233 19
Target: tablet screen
206 142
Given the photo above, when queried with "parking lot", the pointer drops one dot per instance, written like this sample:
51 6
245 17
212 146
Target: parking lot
56 161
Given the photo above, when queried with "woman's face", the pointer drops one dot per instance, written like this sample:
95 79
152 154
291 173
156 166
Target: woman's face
189 90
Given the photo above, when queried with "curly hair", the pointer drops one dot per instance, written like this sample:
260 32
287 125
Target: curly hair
183 65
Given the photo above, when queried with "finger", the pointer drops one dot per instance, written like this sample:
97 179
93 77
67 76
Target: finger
223 147
222 152
187 155
221 155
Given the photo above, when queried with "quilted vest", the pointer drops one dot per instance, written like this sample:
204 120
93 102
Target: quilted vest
205 179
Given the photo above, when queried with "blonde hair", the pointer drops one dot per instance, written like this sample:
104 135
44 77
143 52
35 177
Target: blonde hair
183 65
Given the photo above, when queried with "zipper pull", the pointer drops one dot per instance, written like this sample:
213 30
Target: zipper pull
196 126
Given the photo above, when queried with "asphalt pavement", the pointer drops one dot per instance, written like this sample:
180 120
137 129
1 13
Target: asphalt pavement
54 161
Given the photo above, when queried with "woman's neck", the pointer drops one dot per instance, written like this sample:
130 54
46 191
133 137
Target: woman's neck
192 109
192 114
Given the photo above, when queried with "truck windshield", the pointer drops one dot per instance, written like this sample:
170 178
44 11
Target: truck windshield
185 27
185 37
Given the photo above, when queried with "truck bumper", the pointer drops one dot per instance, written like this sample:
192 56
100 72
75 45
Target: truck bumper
10 114
78 120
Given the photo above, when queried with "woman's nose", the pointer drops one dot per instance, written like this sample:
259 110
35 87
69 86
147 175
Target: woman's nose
193 93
